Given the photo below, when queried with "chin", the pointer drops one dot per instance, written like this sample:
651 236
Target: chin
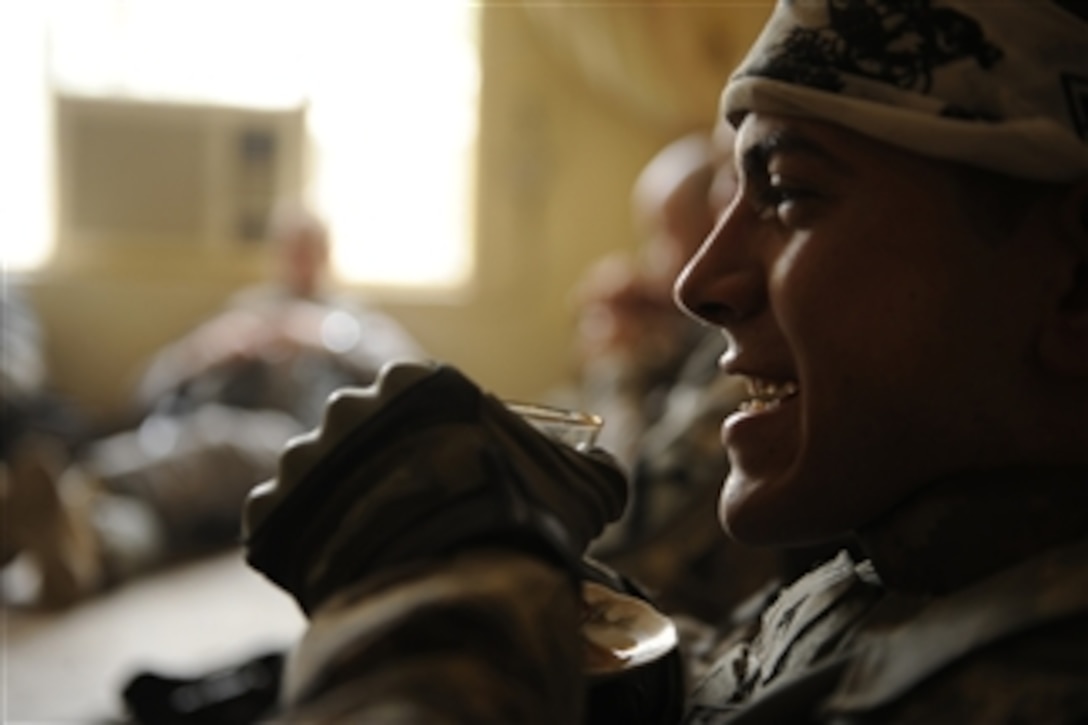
767 513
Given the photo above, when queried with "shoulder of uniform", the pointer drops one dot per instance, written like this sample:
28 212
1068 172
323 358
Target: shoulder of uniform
1018 610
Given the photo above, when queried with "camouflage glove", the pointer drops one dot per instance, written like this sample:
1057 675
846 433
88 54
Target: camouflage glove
418 465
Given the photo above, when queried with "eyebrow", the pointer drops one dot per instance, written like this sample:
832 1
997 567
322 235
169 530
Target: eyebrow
757 157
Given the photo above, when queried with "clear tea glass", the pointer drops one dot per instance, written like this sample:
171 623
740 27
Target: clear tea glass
576 429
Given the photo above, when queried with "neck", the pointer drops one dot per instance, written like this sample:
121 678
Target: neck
966 527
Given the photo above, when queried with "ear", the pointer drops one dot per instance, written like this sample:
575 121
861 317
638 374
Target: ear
1064 344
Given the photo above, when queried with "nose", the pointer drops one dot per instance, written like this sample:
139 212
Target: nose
722 283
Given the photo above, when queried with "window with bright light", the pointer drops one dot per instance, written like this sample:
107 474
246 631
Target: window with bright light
25 184
391 90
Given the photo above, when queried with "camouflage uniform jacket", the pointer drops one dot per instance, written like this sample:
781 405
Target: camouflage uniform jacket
979 613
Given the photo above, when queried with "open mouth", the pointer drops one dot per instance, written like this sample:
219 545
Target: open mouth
767 394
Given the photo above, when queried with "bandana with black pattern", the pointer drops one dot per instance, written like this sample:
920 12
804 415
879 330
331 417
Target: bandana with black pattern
998 85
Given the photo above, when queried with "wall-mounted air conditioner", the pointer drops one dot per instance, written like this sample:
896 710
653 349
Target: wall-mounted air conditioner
139 172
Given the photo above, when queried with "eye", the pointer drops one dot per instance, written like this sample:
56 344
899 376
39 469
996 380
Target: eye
778 198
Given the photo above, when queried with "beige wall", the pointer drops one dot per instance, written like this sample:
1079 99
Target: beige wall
557 159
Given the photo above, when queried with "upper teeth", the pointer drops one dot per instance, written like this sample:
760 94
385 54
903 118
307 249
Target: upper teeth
767 390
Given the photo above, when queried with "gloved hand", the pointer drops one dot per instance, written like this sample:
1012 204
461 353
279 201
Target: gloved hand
418 465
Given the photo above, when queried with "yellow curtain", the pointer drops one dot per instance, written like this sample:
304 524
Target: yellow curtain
667 60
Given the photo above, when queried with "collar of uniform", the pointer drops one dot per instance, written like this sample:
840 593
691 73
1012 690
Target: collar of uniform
963 528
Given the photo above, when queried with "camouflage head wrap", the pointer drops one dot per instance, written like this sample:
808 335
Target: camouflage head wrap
1001 85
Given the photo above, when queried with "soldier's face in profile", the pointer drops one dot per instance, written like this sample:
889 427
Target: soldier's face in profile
881 331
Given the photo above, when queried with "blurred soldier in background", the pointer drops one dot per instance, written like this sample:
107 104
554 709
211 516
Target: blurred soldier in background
221 401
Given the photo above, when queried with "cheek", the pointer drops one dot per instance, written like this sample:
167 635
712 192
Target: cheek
827 296
876 295
896 346
869 328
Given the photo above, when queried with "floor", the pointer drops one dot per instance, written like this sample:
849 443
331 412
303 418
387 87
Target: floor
70 667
